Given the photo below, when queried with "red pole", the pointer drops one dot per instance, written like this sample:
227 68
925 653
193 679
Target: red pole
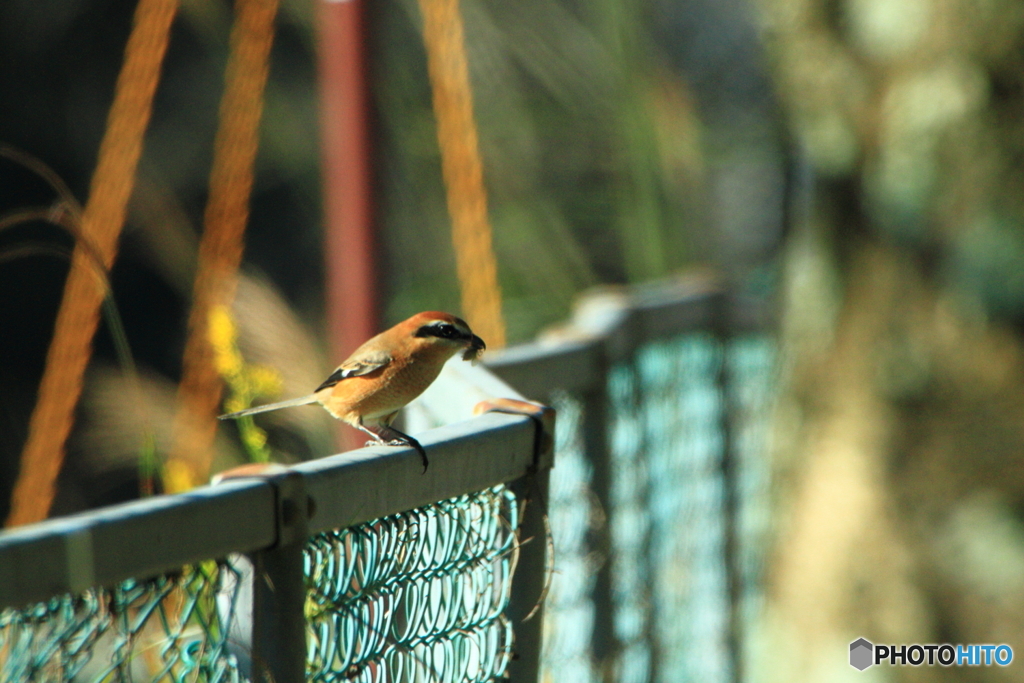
347 176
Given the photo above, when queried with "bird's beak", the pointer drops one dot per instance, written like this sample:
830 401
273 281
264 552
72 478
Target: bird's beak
472 352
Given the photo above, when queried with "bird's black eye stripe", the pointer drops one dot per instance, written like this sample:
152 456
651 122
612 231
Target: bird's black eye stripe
442 330
447 331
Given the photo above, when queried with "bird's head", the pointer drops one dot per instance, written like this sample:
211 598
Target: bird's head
447 331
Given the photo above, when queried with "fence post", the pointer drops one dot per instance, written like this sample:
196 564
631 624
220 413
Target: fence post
604 645
723 315
531 578
279 590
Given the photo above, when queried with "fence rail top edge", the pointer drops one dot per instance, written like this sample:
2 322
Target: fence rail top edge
144 538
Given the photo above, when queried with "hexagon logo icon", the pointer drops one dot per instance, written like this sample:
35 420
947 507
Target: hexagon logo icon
861 651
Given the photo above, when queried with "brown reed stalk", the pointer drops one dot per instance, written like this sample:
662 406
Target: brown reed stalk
475 261
102 220
220 251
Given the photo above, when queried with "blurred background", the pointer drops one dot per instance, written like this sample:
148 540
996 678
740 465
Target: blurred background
858 162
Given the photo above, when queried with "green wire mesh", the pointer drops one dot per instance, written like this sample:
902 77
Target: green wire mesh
418 596
166 629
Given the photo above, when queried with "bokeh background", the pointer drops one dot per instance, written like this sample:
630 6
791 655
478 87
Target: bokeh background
859 162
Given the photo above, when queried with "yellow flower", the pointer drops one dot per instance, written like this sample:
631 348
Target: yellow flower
244 382
178 476
222 337
264 381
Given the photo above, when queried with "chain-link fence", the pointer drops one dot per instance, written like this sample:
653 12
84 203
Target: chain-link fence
665 517
656 511
416 596
165 629
419 596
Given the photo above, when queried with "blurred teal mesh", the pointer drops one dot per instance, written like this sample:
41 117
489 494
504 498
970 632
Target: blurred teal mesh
666 517
630 523
752 373
165 629
681 420
418 596
569 608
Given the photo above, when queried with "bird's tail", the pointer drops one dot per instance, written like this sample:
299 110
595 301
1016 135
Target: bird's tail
302 401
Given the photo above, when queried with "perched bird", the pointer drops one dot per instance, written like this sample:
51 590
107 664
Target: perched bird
385 373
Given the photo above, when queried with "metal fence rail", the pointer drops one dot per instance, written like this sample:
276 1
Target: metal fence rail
392 573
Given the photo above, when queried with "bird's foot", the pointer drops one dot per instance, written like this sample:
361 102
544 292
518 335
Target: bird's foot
403 441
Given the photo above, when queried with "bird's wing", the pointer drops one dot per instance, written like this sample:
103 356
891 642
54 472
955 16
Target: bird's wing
356 366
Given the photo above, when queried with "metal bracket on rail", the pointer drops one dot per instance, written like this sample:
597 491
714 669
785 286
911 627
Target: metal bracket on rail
544 421
292 507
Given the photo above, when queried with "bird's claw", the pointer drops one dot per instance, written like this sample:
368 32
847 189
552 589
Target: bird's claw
403 442
423 454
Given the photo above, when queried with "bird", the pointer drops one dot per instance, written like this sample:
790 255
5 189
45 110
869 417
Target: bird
384 374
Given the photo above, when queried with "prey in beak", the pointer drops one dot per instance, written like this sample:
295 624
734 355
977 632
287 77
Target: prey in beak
475 348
